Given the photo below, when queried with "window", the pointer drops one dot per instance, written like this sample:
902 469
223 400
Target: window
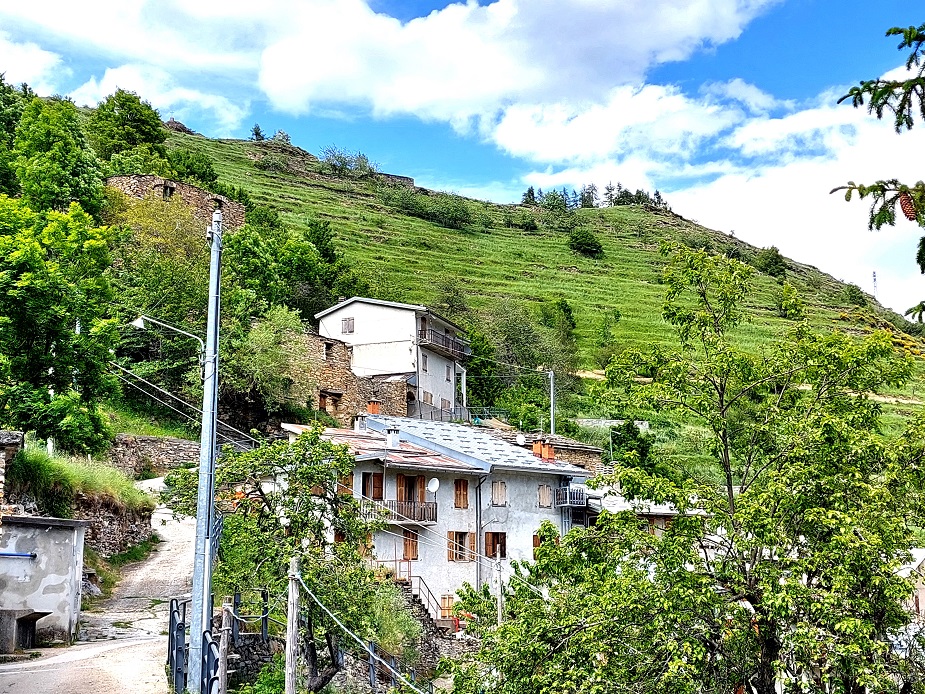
428 398
446 606
328 351
424 363
449 373
461 493
445 405
499 493
340 536
460 546
536 544
410 488
345 485
346 325
496 545
411 544
372 485
544 496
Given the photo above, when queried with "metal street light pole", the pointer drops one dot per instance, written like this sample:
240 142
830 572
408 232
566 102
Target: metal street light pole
205 500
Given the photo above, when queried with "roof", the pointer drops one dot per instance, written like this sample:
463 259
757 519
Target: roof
417 308
472 446
370 445
563 442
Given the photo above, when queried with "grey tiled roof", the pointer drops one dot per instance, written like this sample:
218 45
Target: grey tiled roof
471 445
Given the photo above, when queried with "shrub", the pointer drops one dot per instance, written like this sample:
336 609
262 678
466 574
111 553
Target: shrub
770 262
193 167
272 162
582 240
788 303
854 295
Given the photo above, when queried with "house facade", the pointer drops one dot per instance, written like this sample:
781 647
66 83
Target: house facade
389 339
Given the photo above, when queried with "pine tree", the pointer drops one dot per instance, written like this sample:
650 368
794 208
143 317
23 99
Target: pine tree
609 192
257 133
529 197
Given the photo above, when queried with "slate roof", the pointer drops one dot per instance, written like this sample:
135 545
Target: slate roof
471 445
370 445
563 442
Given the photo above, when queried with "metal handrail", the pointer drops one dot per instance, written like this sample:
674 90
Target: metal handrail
457 347
429 600
569 496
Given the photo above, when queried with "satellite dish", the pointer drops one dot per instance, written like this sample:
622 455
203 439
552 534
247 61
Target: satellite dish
521 440
433 485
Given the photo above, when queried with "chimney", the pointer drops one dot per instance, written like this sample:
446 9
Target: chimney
549 453
391 437
538 448
359 422
372 407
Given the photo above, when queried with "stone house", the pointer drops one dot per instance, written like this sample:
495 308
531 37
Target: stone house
202 201
409 342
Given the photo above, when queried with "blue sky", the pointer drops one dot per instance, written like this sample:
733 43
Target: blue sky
726 106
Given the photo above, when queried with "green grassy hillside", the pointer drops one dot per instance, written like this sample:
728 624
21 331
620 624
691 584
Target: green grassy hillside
407 257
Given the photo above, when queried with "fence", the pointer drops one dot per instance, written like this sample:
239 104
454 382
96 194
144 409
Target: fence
176 645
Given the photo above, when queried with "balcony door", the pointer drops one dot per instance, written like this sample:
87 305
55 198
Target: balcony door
410 488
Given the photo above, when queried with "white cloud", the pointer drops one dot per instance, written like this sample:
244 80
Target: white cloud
159 88
28 62
750 96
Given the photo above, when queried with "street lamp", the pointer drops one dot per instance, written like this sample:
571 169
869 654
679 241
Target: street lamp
201 620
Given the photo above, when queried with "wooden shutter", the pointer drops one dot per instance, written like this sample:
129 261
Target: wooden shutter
422 489
471 556
461 493
536 543
345 485
502 542
446 606
400 487
450 546
411 544
377 486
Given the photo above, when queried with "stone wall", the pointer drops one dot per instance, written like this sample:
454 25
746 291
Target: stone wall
134 455
341 393
11 442
111 528
202 201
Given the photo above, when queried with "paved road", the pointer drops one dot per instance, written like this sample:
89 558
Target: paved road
122 646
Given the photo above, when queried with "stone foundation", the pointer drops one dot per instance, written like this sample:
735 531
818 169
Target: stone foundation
134 455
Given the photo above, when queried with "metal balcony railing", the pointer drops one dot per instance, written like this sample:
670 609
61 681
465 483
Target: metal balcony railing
570 496
455 347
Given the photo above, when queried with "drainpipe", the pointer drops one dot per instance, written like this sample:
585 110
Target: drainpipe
478 531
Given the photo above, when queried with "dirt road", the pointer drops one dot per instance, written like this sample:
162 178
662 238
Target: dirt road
122 646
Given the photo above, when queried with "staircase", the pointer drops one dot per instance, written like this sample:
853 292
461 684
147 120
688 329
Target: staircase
427 645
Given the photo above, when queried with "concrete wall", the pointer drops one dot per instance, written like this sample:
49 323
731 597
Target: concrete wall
434 379
372 323
49 583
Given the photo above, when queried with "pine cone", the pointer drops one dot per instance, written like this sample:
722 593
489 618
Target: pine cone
907 205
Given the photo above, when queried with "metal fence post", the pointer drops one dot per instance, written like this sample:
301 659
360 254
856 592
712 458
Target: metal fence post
372 664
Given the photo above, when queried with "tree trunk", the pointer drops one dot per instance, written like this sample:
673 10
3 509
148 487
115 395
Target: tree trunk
766 675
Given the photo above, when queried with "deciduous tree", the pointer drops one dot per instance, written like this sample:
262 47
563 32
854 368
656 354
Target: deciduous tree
122 121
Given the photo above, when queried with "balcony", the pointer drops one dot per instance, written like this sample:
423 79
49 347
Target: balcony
401 511
571 497
445 344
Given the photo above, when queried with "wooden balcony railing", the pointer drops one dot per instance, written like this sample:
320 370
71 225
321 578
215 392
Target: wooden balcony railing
401 511
445 343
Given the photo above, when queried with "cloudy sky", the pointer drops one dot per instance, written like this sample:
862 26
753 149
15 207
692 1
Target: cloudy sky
726 106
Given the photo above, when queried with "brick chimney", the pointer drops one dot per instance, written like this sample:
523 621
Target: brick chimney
538 448
549 452
372 407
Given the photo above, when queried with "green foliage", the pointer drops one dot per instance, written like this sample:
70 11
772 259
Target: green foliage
52 280
483 381
55 482
445 209
529 197
916 312
343 164
788 303
273 162
143 159
770 262
815 512
854 295
52 161
121 122
282 137
582 240
193 167
12 103
257 133
271 680
605 345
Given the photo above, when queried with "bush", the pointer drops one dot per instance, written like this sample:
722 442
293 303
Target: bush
272 162
788 303
854 295
583 241
193 167
771 262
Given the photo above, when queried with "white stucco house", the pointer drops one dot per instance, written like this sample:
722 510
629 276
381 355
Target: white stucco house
390 338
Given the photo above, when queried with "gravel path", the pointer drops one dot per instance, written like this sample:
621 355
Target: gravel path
122 644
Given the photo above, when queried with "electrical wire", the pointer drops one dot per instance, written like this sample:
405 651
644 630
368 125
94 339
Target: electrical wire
356 638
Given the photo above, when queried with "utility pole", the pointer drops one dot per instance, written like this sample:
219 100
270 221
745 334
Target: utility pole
552 402
202 564
292 626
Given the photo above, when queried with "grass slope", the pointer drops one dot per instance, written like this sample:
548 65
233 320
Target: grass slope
406 257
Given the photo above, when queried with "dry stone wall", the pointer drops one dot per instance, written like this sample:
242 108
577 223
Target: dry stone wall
135 455
202 201
111 528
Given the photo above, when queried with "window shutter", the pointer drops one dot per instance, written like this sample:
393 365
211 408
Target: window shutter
422 489
461 493
377 486
536 543
400 487
345 485
471 556
450 546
